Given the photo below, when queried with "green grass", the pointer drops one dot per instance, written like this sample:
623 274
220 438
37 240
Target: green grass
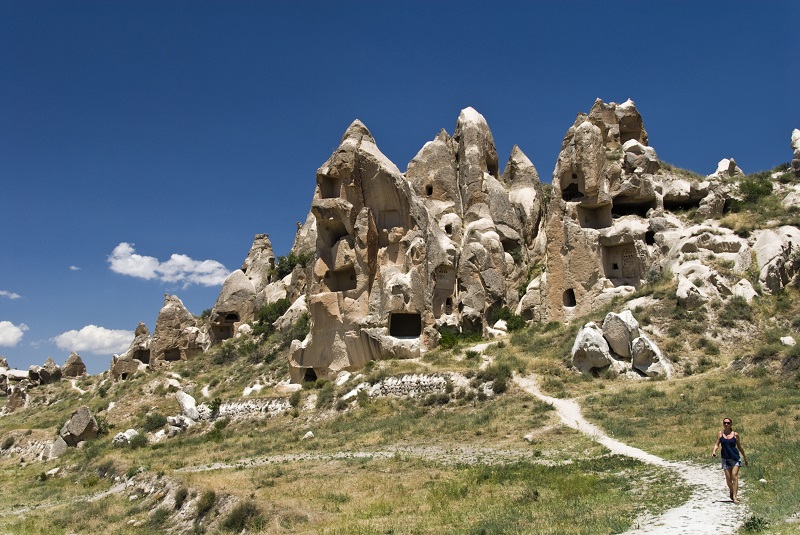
680 420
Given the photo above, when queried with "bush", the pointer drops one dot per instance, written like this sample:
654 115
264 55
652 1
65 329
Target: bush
224 353
244 514
214 406
286 264
754 188
294 399
325 396
180 497
267 315
513 322
159 517
736 309
205 502
138 441
154 421
300 328
448 339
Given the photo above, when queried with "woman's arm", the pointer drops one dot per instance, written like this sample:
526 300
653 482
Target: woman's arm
740 448
716 445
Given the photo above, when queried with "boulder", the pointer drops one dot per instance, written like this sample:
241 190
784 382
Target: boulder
81 427
646 357
619 331
744 289
124 438
292 314
590 350
50 372
188 405
727 168
74 366
58 448
689 295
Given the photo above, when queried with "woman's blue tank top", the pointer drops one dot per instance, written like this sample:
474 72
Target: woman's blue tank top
729 450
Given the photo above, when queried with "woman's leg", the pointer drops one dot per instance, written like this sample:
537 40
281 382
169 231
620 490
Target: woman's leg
729 481
735 483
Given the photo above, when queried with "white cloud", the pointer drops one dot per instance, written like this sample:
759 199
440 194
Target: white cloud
178 269
74 268
10 295
11 334
94 339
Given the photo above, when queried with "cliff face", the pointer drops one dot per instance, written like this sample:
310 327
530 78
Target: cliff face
398 257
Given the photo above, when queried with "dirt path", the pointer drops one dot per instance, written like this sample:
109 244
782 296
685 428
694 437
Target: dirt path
708 510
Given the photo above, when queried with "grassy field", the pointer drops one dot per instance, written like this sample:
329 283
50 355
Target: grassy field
451 463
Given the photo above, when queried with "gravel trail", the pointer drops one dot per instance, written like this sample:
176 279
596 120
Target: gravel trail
708 511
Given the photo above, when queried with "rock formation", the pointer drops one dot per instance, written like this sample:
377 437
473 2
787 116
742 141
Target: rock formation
397 258
400 256
74 366
177 336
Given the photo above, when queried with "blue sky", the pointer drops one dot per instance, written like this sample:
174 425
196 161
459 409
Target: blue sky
143 144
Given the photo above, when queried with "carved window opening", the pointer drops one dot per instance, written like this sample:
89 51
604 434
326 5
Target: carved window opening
171 355
428 190
309 376
232 317
597 218
621 264
341 280
572 186
638 209
142 355
650 237
329 188
405 325
448 228
444 284
569 298
331 232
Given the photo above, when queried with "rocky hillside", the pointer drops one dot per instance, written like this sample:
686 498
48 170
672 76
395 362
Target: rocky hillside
623 271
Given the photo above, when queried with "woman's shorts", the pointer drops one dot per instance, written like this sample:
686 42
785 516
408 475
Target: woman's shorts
727 464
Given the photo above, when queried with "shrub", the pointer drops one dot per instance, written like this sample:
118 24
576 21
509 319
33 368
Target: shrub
449 339
286 264
138 441
8 442
753 188
737 308
205 502
224 353
154 421
325 396
180 497
436 399
159 517
244 514
214 406
755 524
267 315
300 328
513 322
294 399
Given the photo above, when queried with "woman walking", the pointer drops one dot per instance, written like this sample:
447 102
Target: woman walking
728 440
